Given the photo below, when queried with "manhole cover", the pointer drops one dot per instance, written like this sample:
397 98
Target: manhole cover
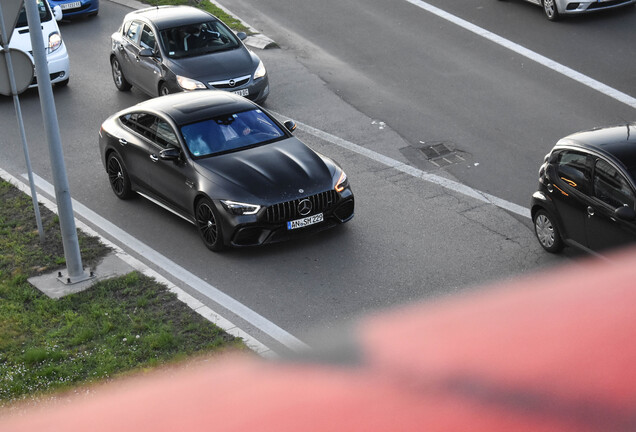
440 154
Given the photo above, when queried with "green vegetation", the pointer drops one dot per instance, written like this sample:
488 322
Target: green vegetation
119 325
231 21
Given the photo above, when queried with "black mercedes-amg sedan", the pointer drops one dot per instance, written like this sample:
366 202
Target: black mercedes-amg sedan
223 163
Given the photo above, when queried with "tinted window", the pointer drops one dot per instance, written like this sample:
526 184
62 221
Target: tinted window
198 39
141 123
574 170
230 132
611 187
147 38
153 128
165 136
45 15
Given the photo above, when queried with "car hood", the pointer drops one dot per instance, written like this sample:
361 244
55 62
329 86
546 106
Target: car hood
216 66
271 173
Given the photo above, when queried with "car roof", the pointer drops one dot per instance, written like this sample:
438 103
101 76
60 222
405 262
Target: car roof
190 107
171 16
617 141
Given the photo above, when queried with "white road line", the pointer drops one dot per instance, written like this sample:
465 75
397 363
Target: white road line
551 64
182 274
407 169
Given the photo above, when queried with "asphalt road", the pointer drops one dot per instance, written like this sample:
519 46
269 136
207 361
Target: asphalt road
426 80
432 81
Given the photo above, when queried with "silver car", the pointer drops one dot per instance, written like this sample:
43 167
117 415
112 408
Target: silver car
555 9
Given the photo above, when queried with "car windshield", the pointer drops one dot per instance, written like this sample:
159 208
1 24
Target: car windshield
45 15
230 132
197 39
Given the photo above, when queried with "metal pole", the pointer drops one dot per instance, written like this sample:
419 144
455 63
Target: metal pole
70 241
18 111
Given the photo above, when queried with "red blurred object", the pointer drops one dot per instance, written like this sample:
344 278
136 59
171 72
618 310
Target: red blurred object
554 352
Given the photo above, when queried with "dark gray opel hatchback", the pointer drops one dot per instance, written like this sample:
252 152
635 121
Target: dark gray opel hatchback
168 49
587 191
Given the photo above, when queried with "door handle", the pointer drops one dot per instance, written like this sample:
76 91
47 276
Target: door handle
154 157
590 211
123 141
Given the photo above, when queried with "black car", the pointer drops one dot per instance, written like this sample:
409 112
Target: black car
223 163
587 191
168 49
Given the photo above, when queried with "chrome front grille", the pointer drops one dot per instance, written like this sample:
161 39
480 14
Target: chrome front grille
288 210
231 83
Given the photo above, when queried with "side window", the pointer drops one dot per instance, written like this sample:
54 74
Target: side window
147 38
165 136
611 187
574 169
142 123
133 32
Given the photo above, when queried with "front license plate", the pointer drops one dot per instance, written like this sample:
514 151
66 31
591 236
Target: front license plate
300 223
242 92
71 5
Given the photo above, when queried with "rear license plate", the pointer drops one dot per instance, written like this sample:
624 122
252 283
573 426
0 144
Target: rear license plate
71 5
242 92
309 220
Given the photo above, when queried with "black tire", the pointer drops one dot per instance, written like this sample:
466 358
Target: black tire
547 232
120 80
550 9
208 225
163 89
118 177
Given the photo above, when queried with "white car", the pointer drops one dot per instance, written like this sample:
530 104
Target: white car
56 54
555 9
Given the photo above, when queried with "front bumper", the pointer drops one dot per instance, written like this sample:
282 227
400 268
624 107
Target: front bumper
259 229
258 89
59 66
569 7
90 7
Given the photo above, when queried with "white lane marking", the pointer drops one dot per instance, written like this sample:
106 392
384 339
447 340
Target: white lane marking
551 64
182 274
407 169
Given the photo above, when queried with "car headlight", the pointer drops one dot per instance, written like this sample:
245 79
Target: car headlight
239 208
260 70
342 182
189 84
55 41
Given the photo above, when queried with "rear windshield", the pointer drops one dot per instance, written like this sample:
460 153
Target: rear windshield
197 39
45 14
230 132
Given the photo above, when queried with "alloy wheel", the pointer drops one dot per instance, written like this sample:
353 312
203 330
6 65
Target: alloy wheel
550 9
118 177
208 226
115 175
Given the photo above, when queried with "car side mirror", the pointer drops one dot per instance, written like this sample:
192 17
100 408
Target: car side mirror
290 125
146 52
57 12
241 35
171 153
625 213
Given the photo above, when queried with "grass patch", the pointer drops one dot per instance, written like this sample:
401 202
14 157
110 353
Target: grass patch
231 21
117 326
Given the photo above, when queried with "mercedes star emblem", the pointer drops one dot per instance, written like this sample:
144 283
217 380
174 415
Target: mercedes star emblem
304 207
